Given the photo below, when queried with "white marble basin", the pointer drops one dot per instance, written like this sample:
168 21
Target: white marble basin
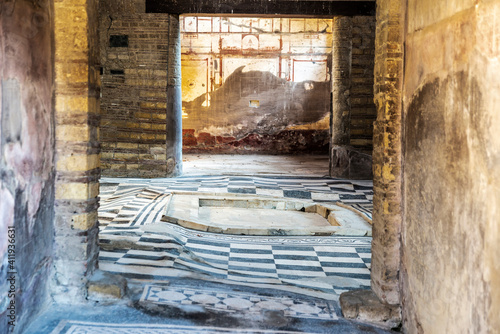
262 215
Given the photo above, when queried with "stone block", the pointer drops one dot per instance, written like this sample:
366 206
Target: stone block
77 190
310 208
64 294
215 229
351 232
70 103
237 231
74 132
84 221
365 306
322 211
76 163
69 272
70 73
104 286
332 220
192 225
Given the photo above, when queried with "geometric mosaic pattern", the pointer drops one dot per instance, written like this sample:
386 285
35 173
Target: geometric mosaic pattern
81 327
236 302
121 199
328 264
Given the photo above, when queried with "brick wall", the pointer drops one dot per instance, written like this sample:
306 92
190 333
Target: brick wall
363 110
134 94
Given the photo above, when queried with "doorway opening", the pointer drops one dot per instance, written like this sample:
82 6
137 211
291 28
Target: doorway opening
236 78
255 85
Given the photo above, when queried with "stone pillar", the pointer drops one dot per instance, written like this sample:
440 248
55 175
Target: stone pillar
387 187
341 85
77 147
174 100
341 80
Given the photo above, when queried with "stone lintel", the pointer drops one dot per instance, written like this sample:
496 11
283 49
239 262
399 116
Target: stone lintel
257 7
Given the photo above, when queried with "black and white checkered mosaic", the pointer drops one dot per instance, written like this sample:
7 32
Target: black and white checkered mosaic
123 198
328 264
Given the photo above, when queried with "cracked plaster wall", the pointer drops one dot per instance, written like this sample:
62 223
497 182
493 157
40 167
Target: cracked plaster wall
281 64
27 157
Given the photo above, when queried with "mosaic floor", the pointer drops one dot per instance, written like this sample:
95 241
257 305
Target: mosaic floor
187 281
82 327
326 265
234 302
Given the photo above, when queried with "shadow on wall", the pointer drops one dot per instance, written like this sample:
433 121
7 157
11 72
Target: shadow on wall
258 103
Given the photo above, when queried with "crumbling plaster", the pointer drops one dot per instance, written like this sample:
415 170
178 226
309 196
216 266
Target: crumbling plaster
282 65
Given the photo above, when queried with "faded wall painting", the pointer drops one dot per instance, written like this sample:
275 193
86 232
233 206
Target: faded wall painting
256 84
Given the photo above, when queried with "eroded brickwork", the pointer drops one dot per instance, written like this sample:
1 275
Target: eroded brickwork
77 144
353 110
363 110
387 151
134 93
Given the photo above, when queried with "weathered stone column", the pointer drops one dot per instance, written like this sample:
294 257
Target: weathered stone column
77 147
387 198
174 100
341 102
341 79
381 305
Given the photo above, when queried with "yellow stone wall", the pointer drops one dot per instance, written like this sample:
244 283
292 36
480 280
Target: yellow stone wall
77 145
387 153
